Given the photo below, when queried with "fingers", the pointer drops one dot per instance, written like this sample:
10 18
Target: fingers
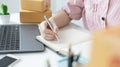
49 37
46 33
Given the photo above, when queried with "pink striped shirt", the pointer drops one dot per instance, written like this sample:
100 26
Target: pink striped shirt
96 14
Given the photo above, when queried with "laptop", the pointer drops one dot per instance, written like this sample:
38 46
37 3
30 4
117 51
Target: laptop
19 38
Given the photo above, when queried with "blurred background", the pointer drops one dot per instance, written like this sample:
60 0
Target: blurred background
14 5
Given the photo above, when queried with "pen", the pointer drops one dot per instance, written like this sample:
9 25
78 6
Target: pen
51 26
77 58
70 58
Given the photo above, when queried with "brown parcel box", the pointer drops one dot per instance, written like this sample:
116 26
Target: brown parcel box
35 5
33 16
106 49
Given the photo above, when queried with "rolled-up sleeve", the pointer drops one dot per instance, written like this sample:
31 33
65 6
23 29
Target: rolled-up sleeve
74 8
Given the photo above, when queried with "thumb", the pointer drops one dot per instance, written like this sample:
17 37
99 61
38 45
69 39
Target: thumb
42 26
45 24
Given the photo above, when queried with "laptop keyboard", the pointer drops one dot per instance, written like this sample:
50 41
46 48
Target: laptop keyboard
9 37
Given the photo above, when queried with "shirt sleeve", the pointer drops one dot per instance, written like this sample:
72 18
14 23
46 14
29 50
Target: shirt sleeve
74 8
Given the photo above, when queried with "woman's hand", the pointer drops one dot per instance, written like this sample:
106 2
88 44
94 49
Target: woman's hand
46 31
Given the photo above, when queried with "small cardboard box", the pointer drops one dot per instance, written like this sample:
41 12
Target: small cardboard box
27 16
35 5
105 48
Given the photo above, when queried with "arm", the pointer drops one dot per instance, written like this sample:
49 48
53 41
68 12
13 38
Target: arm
61 18
72 10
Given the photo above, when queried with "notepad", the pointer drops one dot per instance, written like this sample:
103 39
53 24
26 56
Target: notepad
71 34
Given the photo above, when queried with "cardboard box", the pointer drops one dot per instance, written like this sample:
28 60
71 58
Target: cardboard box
27 16
35 5
105 48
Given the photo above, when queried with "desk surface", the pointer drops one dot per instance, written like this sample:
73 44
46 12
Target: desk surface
38 59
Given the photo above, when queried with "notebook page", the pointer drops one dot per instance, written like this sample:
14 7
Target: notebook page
67 35
83 48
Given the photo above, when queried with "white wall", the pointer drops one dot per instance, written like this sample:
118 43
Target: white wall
14 5
57 4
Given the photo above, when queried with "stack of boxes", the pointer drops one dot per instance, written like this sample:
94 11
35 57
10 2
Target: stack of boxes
34 10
